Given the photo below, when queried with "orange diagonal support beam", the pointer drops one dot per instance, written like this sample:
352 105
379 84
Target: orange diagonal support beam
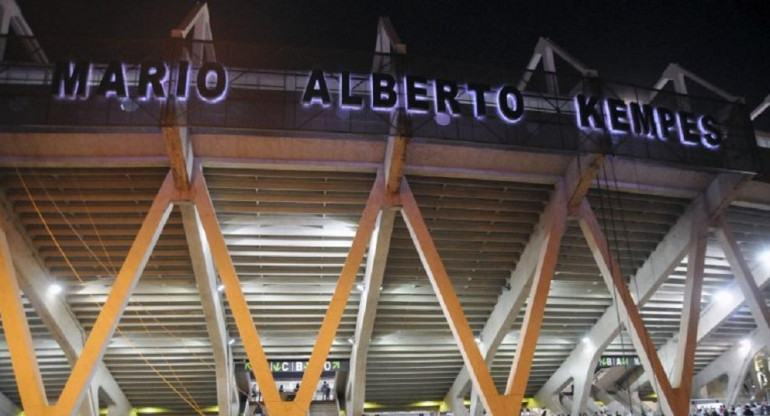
341 293
244 321
495 404
681 378
533 318
18 337
113 308
610 270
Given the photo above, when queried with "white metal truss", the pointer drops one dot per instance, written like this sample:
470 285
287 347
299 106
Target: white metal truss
11 18
387 43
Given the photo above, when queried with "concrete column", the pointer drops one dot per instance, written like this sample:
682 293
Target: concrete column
582 380
90 406
7 407
477 408
457 404
734 363
213 312
736 376
746 282
379 247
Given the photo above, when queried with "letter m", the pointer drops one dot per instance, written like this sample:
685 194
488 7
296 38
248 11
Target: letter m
71 79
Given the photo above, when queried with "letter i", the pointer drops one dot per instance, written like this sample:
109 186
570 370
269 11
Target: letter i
182 79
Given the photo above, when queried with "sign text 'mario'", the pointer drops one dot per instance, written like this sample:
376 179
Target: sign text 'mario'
72 80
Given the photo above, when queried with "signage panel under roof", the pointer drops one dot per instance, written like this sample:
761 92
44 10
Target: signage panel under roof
457 102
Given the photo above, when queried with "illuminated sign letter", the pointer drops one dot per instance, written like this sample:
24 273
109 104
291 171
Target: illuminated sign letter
71 80
711 136
217 91
316 89
346 99
153 75
507 112
617 116
416 91
689 134
588 116
664 119
642 119
383 96
479 103
182 79
445 95
113 81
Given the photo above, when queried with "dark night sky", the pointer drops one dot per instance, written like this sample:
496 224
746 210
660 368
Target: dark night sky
726 42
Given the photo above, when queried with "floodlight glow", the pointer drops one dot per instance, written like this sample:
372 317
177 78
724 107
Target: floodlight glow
55 289
745 346
764 256
231 341
586 340
360 287
220 288
723 296
350 341
150 410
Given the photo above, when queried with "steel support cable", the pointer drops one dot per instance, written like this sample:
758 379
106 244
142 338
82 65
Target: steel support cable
613 220
191 402
113 271
605 219
77 275
610 259
629 252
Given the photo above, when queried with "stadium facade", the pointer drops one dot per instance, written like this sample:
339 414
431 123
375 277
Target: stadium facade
180 215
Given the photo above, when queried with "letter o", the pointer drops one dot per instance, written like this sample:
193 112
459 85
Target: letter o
219 89
511 115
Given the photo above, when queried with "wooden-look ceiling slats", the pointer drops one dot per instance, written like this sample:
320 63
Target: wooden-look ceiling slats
288 233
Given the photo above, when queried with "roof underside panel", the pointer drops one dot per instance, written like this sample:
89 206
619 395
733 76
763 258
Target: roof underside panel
289 233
